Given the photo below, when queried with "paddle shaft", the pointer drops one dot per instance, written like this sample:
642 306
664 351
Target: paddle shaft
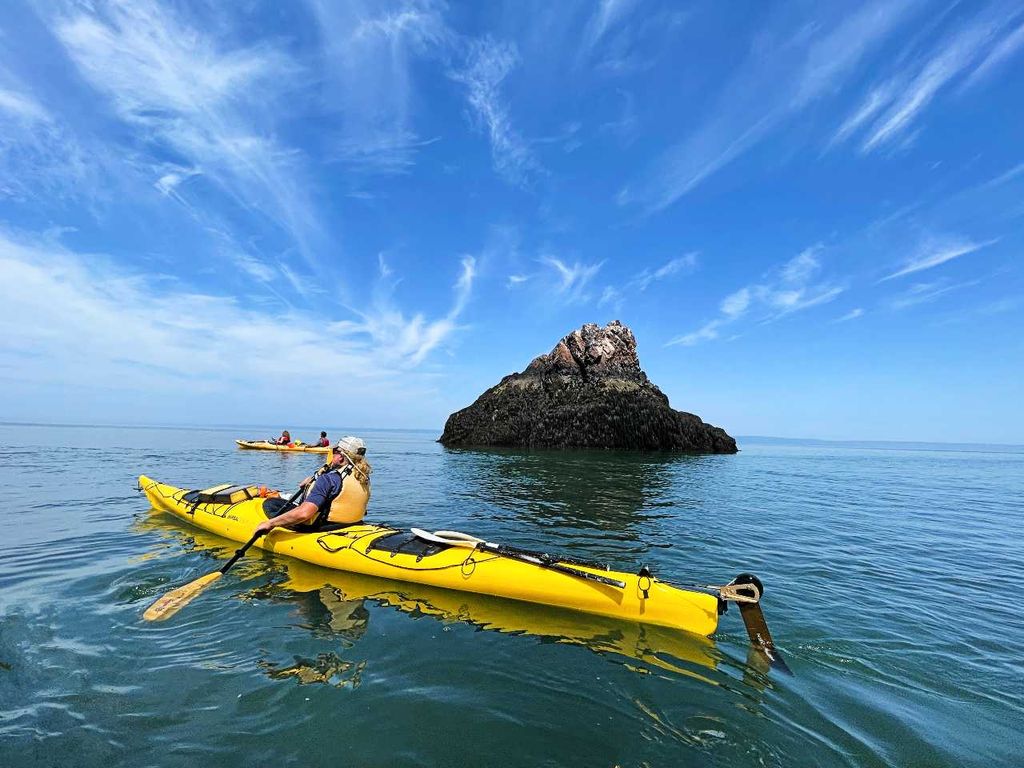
554 559
238 553
458 539
245 547
527 557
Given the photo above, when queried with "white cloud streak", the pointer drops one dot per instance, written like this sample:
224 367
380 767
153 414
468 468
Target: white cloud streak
680 264
707 332
407 341
936 252
1000 54
572 279
370 50
853 314
22 107
39 158
791 290
79 320
778 82
201 100
607 15
802 267
952 57
735 304
488 63
924 293
873 103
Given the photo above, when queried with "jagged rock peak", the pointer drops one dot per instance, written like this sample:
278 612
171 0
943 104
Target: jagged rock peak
588 392
592 351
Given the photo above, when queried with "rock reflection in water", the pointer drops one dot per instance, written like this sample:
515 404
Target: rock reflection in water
622 491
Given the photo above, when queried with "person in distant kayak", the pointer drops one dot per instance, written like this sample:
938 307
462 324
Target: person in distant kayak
329 496
324 442
284 439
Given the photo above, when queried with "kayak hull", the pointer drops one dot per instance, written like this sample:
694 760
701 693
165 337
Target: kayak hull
352 549
263 445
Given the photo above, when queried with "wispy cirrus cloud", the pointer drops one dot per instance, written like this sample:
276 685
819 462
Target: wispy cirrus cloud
707 332
21 107
199 98
783 76
876 100
172 177
681 264
39 156
736 304
407 341
938 250
606 15
572 280
370 51
626 124
1000 54
792 288
131 330
950 59
895 103
610 296
925 293
853 314
488 63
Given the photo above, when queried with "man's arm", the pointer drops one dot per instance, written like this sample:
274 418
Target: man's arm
303 513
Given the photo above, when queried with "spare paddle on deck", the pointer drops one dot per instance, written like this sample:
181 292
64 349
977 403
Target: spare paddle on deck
176 599
457 539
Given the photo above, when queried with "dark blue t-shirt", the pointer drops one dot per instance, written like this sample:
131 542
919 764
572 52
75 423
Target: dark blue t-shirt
324 491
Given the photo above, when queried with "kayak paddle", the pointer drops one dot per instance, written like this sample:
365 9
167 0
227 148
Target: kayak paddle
457 539
176 599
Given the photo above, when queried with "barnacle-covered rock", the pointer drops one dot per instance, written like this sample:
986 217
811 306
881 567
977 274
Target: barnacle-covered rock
588 392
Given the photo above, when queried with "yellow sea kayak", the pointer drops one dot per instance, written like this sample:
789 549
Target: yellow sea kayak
401 555
265 445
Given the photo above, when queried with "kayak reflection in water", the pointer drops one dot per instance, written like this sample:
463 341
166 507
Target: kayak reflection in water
336 494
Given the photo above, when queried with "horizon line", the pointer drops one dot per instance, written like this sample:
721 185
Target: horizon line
13 423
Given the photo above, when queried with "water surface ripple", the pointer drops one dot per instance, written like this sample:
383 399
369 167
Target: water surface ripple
890 575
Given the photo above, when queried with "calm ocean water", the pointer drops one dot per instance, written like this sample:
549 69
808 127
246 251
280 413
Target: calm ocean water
892 585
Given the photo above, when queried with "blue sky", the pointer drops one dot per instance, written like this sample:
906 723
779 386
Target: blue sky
366 213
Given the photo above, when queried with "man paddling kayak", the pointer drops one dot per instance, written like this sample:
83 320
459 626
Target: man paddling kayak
331 497
323 442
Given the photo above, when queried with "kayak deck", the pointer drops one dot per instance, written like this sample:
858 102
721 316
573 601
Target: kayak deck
265 445
393 554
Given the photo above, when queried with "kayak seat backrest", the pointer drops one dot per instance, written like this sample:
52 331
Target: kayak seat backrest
225 493
406 543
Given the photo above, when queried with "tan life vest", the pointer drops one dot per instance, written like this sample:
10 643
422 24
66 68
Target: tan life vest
349 506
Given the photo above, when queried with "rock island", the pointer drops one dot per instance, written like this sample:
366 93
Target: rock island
588 392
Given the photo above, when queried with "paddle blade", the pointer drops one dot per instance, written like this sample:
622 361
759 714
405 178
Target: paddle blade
176 599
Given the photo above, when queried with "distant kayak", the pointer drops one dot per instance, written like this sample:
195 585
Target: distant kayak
266 445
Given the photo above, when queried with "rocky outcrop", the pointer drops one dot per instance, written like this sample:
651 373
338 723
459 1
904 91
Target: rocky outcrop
588 392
